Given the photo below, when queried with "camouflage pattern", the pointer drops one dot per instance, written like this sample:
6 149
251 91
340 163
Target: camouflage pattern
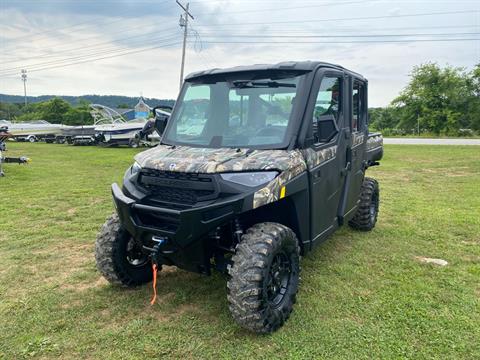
271 192
210 161
314 158
289 163
357 139
374 142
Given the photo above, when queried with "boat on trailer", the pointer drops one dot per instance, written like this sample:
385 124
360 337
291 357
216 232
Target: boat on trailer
79 135
111 129
34 131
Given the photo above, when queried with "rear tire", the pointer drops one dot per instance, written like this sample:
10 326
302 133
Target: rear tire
118 258
367 213
264 277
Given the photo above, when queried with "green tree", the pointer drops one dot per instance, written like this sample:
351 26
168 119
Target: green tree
474 100
54 110
79 115
437 99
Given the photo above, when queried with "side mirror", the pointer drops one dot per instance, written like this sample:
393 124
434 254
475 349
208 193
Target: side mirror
159 108
161 119
161 123
327 128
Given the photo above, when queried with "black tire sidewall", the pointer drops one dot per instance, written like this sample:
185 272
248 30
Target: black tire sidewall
247 285
136 274
288 247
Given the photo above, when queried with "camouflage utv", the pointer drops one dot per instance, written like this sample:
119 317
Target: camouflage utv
255 167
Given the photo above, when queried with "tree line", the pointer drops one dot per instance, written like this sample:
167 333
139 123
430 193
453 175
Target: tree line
437 101
55 110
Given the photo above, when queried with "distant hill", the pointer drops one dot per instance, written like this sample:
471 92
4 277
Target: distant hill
113 101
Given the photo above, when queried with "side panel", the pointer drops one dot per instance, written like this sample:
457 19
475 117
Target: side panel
355 154
325 160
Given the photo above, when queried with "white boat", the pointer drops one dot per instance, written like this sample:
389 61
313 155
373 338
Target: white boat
111 129
78 135
33 131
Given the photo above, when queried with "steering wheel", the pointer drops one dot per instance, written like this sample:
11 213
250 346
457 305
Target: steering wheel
269 131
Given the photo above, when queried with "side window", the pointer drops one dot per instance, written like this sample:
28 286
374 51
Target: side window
328 98
328 106
358 103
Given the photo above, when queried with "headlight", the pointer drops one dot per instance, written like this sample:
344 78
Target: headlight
135 168
252 179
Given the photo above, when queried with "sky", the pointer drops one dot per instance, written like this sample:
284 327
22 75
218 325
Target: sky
133 47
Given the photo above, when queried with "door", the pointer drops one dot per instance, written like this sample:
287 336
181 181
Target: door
355 147
326 153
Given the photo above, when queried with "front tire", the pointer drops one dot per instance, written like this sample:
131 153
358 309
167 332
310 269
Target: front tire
366 215
118 258
264 277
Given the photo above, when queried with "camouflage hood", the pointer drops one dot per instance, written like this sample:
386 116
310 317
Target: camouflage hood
206 160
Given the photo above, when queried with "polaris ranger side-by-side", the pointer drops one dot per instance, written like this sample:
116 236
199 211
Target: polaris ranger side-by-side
255 167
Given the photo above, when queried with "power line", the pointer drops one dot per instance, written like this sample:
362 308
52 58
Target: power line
339 42
75 25
345 19
55 54
100 58
343 29
290 7
95 53
336 36
93 46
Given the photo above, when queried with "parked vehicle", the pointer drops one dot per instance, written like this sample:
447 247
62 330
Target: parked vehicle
80 135
111 129
256 166
34 131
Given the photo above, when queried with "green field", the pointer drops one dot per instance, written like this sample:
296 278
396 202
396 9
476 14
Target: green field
363 295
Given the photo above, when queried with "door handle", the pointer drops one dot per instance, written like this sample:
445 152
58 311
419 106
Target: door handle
347 168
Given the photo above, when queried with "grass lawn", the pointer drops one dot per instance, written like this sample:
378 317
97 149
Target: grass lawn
363 295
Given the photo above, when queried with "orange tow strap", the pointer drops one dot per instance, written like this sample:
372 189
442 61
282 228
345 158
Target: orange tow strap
154 269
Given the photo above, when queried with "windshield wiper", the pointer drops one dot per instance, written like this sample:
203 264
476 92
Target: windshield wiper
261 84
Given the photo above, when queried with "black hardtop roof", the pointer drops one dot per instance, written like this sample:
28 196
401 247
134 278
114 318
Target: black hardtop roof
285 66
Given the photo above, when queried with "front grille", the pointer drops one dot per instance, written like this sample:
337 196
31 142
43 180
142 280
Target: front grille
176 187
180 196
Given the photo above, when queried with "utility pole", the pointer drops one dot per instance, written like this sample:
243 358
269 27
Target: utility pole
184 24
24 79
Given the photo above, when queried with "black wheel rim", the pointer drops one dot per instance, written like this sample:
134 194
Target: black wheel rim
135 257
278 279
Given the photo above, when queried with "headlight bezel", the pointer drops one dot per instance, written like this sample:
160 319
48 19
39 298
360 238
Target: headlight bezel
135 168
251 179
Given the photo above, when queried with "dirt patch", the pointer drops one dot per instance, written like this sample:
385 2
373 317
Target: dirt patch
86 285
71 211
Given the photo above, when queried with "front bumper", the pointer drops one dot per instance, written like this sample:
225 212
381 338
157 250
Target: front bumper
182 231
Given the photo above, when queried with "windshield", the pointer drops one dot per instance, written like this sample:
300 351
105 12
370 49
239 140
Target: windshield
238 113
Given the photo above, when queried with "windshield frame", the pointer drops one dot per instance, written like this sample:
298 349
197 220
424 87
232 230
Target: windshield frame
294 119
